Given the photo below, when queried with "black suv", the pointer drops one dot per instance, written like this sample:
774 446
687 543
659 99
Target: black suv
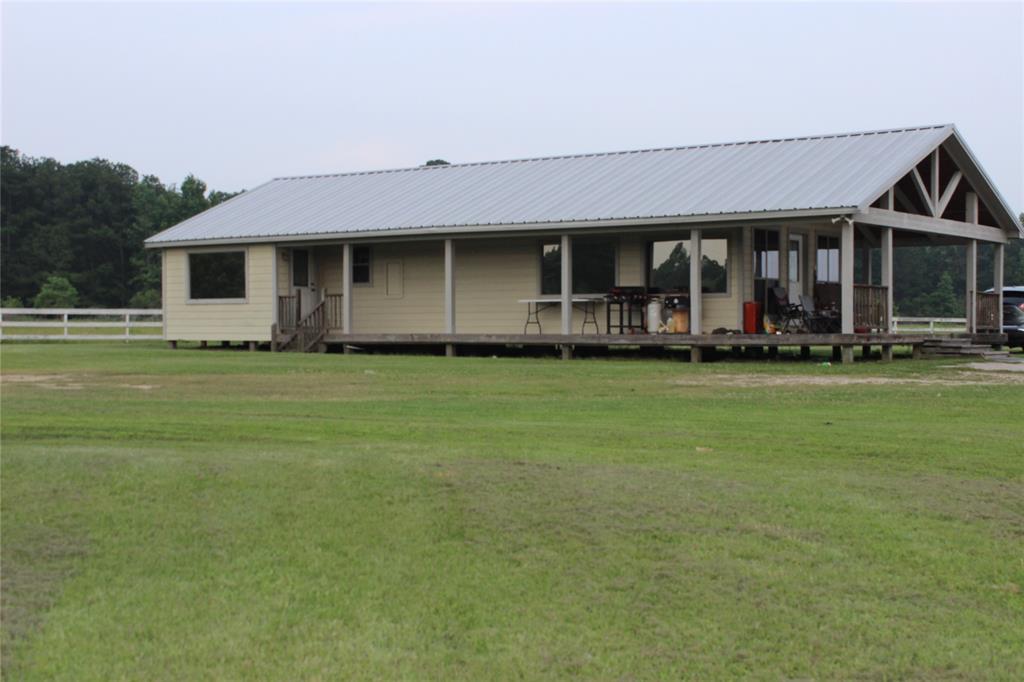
1013 315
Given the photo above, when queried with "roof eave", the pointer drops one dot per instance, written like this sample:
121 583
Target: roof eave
510 227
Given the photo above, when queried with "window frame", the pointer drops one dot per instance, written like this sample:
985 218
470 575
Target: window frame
729 245
369 266
829 240
216 301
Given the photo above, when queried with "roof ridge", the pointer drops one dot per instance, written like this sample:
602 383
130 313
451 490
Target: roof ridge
705 145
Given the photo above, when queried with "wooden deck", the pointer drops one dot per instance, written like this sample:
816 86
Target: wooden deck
842 344
644 340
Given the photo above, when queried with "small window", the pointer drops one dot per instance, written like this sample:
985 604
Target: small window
828 259
551 269
216 276
361 265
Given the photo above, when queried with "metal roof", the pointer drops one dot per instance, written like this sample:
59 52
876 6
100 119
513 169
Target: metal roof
794 174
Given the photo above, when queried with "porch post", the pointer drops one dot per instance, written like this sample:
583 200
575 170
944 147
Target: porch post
566 250
346 288
972 286
846 276
695 282
273 276
784 257
812 262
746 276
886 243
449 287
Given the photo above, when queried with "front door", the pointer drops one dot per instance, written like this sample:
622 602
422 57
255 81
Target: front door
303 280
796 267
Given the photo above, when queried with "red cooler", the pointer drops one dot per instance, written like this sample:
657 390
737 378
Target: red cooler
752 317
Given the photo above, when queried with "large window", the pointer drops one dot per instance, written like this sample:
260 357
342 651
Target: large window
714 266
593 267
668 266
218 275
766 267
361 265
828 259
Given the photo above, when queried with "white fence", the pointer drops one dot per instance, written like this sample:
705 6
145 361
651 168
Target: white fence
65 323
916 325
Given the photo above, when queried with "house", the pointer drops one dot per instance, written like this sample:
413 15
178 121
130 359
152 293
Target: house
525 251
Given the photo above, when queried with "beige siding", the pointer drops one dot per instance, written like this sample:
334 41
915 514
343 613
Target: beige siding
248 321
415 300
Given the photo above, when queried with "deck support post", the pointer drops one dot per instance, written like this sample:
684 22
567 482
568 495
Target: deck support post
846 275
346 288
847 354
887 279
252 346
695 283
566 351
566 252
202 344
972 286
916 351
449 350
696 354
449 287
172 344
886 353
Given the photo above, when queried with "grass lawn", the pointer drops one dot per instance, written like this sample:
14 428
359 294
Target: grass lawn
172 515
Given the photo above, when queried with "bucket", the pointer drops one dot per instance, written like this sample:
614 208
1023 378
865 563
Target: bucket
681 321
653 316
752 317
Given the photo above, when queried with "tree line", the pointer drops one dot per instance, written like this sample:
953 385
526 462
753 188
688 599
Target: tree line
72 234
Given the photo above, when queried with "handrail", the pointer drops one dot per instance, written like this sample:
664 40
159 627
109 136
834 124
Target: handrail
310 330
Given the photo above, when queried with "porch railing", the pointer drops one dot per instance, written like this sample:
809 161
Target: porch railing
989 316
332 310
288 313
869 307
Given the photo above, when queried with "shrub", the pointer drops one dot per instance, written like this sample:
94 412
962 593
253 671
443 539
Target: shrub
56 292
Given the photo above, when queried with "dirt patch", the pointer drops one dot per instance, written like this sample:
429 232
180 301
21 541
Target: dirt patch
997 366
139 387
31 378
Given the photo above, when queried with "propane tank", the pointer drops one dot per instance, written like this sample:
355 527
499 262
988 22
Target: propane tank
653 316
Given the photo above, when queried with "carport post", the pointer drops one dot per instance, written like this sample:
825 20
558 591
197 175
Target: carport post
886 243
972 286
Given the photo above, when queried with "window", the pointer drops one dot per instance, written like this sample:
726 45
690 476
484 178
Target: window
766 254
593 267
714 266
668 265
828 259
361 265
300 268
216 275
550 269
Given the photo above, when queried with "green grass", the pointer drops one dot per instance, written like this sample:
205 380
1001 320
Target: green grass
231 515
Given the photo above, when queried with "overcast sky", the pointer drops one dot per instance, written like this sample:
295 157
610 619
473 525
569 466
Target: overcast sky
237 93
